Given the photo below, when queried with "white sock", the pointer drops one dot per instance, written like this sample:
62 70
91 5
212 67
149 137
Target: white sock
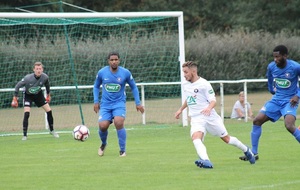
237 143
201 149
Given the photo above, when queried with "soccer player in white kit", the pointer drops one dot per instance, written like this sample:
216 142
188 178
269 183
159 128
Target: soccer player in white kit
200 100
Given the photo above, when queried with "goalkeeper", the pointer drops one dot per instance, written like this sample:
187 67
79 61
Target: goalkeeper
33 84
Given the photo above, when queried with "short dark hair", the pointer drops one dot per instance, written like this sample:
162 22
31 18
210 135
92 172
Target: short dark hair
113 53
38 64
190 64
281 49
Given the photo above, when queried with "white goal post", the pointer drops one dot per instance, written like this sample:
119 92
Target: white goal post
178 14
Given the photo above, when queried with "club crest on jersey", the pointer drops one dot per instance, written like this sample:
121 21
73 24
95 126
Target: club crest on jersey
287 75
119 79
196 90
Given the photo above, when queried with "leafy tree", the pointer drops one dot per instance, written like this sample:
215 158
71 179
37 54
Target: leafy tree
207 16
267 15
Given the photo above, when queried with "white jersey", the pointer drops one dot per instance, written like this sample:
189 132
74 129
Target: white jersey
198 95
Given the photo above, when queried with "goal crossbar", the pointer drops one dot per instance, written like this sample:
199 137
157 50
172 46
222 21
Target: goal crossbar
91 15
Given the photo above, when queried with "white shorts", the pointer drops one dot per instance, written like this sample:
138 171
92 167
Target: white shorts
212 124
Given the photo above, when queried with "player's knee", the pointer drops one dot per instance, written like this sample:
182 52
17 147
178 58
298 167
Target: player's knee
257 122
226 139
103 126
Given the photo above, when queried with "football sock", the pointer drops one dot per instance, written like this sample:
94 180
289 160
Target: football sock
237 143
122 139
25 123
297 134
255 135
103 136
200 149
50 120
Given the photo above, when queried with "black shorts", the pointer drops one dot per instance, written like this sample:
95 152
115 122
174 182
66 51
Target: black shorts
38 99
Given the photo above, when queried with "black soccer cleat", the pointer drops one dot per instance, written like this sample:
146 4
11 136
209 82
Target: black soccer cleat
204 164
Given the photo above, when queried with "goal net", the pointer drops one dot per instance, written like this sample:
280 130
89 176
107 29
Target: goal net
74 46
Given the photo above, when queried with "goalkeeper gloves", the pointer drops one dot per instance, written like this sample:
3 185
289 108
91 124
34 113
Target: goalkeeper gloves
14 102
48 98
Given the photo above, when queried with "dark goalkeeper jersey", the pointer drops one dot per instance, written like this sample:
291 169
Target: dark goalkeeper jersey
33 84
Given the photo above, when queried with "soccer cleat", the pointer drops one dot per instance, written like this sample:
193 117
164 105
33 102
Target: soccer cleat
204 164
101 150
122 153
24 138
54 134
250 156
244 158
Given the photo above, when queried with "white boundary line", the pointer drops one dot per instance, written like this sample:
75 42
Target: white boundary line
70 131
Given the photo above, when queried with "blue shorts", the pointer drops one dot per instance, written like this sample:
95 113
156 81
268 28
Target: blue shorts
274 109
108 112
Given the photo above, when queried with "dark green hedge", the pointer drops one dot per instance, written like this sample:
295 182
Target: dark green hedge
230 56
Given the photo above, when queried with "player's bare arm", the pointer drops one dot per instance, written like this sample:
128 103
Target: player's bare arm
96 107
140 108
294 100
179 111
208 109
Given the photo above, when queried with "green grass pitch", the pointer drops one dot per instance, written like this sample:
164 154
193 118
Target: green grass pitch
158 157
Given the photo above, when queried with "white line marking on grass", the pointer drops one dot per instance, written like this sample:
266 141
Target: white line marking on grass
37 133
141 128
272 185
61 132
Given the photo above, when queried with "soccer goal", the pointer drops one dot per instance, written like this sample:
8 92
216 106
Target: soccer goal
74 46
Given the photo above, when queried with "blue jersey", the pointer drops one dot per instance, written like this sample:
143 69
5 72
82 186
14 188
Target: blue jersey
283 82
113 86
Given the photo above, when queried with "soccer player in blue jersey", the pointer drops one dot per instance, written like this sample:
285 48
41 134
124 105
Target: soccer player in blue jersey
112 108
283 75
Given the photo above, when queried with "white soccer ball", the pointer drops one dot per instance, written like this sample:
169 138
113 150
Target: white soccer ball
81 133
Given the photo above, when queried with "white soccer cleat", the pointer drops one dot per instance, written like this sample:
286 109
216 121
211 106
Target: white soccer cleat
101 150
122 153
24 138
54 134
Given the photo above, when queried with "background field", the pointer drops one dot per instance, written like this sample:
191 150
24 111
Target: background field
66 117
158 157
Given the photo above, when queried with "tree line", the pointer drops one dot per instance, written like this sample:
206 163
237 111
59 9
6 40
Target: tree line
216 16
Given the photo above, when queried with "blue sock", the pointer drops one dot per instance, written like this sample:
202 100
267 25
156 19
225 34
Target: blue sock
255 135
122 139
297 134
103 136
